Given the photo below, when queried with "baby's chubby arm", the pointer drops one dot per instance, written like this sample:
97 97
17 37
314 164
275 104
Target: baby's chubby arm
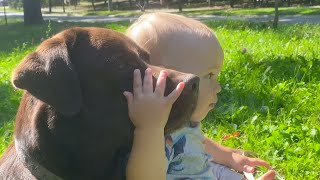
149 112
233 159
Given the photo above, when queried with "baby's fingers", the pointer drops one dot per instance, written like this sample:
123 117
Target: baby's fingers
258 162
173 96
128 96
161 84
137 83
270 175
147 82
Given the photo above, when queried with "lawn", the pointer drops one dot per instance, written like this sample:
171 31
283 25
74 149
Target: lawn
270 89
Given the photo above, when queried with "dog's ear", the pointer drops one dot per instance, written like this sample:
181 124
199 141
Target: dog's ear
49 75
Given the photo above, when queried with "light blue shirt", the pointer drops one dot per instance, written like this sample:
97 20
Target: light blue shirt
187 159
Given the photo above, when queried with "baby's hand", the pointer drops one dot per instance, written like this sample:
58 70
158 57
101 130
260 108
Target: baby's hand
149 109
246 164
243 163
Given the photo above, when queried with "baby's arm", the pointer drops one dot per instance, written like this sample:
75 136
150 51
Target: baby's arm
149 111
220 154
233 159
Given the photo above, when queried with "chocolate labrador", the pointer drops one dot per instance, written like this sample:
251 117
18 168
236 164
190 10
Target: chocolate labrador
72 122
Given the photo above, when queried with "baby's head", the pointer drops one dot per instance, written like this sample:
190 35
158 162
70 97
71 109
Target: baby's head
186 45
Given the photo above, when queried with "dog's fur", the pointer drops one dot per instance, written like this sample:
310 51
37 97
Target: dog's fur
72 122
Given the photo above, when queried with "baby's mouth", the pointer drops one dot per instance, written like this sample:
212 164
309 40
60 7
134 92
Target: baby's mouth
212 104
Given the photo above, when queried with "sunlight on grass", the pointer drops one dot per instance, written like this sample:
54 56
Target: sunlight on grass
270 89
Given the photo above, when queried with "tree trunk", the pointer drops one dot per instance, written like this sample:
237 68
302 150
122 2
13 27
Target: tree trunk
180 5
32 12
130 3
110 5
276 14
93 6
209 3
231 3
50 6
142 7
74 3
64 9
5 13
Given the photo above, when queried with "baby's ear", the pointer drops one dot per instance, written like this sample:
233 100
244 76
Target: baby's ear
49 75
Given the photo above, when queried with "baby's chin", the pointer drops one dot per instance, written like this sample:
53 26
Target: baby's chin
198 117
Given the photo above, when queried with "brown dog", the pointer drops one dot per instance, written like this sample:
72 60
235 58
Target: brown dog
72 122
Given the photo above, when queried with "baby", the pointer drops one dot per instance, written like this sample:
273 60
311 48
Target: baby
186 45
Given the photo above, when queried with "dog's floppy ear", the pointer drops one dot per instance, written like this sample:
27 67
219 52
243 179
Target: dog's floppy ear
49 75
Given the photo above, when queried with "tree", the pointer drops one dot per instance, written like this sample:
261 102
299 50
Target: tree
4 12
276 14
180 5
110 5
231 3
32 12
93 6
130 3
74 3
50 6
64 9
142 7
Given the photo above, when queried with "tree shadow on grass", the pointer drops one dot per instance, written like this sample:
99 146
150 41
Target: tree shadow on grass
285 67
15 34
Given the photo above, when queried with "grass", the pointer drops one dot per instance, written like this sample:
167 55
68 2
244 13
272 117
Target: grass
270 91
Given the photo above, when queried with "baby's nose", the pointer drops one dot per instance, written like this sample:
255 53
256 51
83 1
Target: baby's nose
217 88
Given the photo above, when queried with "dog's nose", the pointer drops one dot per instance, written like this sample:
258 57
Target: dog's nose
192 83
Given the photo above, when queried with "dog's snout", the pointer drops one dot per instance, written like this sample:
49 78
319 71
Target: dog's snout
192 83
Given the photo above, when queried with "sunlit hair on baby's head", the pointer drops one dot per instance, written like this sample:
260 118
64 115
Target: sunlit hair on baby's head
168 36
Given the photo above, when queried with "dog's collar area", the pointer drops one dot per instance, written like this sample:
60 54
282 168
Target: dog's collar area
37 170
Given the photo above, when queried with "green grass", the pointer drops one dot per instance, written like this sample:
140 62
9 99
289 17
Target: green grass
271 93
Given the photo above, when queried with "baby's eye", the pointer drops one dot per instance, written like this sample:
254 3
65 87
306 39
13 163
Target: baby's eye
210 75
